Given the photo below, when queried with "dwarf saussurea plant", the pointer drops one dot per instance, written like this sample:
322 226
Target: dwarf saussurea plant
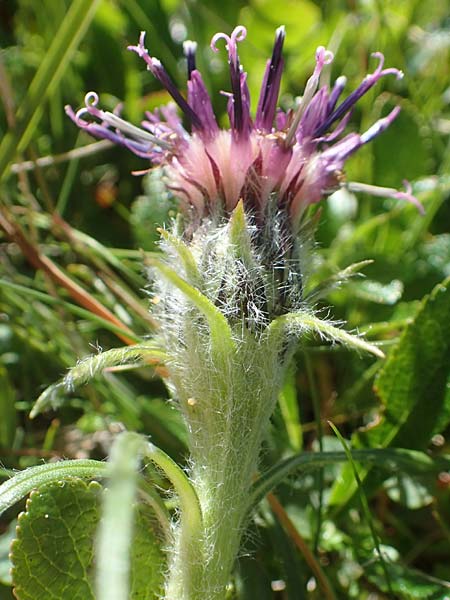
229 288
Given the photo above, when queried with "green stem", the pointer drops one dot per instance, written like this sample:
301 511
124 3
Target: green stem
229 418
204 557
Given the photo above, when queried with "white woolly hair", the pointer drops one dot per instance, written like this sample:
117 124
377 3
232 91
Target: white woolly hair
250 288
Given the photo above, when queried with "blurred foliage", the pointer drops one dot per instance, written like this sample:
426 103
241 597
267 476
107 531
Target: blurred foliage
73 232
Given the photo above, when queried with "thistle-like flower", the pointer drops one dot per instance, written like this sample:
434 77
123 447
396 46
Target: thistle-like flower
277 163
230 288
291 158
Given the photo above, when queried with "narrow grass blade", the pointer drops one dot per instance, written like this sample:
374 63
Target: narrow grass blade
76 310
365 506
391 459
65 42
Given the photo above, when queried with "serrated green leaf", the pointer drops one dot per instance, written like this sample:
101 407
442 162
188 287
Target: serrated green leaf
5 562
412 386
53 553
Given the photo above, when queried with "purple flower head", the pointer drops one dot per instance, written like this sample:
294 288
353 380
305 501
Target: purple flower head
292 159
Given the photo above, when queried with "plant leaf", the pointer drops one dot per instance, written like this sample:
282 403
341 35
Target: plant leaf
365 507
53 552
191 513
19 486
390 459
412 386
221 335
287 399
114 534
73 308
305 322
91 366
186 256
412 383
65 42
7 410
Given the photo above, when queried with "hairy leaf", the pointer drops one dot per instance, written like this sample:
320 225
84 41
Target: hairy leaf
221 336
305 322
89 367
412 383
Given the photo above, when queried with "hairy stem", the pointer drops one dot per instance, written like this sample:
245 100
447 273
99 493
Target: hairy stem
227 423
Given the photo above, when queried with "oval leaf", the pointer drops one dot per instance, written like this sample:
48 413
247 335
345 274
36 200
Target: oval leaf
53 552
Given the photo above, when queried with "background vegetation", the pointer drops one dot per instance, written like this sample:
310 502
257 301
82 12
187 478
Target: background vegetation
75 230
